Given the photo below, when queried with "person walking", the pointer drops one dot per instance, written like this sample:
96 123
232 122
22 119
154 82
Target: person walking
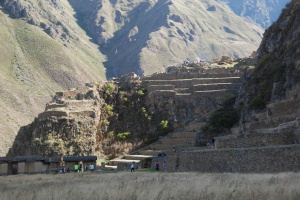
132 167
157 166
76 168
165 166
92 168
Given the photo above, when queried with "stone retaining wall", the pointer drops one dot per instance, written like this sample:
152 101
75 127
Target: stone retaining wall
287 107
256 140
152 88
48 114
247 160
179 83
216 86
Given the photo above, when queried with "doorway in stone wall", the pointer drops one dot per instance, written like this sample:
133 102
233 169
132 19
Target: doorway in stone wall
12 168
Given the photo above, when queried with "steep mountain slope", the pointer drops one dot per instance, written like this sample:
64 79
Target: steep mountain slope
42 50
262 12
277 74
146 36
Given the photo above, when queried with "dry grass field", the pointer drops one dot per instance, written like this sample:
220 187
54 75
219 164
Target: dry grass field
147 185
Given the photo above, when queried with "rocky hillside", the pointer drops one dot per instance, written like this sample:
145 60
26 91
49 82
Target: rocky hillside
147 36
42 50
262 12
277 74
115 117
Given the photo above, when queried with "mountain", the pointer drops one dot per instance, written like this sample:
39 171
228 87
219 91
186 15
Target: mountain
148 36
275 81
262 12
53 45
42 50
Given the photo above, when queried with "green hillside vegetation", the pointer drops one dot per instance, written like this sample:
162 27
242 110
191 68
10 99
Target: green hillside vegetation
35 65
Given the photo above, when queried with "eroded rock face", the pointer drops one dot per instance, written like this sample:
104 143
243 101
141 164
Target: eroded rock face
277 74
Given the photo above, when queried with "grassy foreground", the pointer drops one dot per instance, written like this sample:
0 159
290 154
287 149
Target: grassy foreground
145 185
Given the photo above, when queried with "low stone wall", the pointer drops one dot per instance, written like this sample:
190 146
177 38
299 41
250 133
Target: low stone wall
186 98
3 168
214 94
162 93
270 122
86 113
81 104
216 80
256 140
247 160
152 88
216 86
73 93
288 107
49 114
179 83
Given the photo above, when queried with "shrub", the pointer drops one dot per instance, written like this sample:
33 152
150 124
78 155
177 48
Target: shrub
123 136
258 103
111 134
109 87
141 92
163 124
109 109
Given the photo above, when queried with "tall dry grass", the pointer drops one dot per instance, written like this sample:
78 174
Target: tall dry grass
143 185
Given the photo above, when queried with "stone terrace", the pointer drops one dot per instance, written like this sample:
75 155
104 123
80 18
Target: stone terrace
268 144
198 92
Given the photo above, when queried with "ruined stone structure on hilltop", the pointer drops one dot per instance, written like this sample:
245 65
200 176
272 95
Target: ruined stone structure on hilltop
68 125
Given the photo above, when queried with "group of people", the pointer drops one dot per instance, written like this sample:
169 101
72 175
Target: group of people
164 165
78 168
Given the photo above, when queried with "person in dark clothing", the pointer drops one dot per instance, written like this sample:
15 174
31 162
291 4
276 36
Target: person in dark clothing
157 166
213 143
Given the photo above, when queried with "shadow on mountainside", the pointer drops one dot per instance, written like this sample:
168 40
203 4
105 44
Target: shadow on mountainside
123 49
22 145
123 54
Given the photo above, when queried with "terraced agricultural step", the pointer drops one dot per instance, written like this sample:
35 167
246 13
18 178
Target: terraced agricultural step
216 86
183 90
183 94
270 122
297 131
150 152
197 81
214 93
118 160
286 107
179 83
113 167
164 76
137 157
184 134
152 88
194 126
165 147
178 141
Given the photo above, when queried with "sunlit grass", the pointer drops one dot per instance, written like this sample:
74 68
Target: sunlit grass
154 185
